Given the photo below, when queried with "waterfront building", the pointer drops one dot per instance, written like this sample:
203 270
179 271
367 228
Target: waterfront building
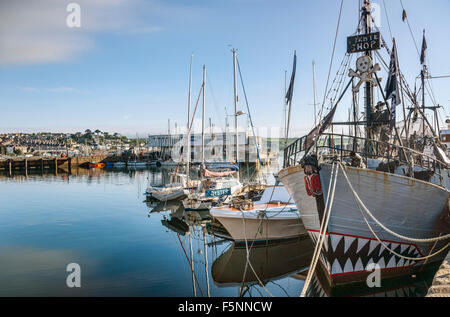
219 147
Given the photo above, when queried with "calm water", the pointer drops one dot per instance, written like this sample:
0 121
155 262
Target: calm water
125 246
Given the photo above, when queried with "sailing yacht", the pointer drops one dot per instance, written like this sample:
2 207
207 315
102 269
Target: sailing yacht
215 186
378 198
273 217
180 184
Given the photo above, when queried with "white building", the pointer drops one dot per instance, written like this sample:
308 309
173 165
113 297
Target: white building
219 147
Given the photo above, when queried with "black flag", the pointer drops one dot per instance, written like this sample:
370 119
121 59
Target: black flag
424 49
290 91
404 15
320 128
392 89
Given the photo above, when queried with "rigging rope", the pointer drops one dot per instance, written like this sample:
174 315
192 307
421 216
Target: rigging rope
189 131
248 109
248 259
323 228
257 231
410 30
387 18
190 264
359 201
360 204
332 55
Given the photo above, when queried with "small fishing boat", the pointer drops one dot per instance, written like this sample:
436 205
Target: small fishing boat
274 217
109 164
119 164
176 190
170 194
170 164
156 163
211 191
96 165
137 164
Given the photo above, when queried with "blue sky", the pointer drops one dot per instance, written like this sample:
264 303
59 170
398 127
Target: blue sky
126 69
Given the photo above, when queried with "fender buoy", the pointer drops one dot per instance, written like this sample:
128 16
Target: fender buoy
313 185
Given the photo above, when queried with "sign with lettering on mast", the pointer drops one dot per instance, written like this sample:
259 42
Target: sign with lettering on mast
363 43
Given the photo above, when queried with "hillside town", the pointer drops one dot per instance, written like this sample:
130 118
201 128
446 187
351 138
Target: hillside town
46 144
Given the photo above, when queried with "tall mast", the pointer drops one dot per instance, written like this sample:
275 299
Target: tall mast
235 108
422 75
203 115
168 139
188 144
284 104
314 92
290 92
368 87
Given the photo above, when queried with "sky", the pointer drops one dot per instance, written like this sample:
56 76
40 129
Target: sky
126 68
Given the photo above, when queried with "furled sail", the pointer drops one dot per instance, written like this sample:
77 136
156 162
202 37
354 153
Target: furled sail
208 173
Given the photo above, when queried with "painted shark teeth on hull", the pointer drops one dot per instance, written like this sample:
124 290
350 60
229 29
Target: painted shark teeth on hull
348 254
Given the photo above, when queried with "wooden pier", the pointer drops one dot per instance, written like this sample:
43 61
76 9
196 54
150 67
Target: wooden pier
441 282
39 164
11 166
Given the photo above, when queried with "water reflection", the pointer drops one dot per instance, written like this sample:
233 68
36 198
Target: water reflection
128 247
268 263
268 266
406 286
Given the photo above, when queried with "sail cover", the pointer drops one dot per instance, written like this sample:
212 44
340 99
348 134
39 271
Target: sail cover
222 166
290 91
208 173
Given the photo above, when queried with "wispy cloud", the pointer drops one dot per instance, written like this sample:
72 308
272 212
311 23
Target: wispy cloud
145 30
30 89
62 89
35 31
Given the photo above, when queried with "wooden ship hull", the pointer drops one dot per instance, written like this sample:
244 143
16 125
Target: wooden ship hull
409 207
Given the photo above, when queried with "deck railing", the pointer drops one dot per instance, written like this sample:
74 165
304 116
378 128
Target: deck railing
341 146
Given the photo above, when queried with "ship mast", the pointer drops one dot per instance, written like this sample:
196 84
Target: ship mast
188 143
368 88
235 110
203 115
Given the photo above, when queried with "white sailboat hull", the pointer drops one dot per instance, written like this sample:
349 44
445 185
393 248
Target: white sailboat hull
172 194
251 226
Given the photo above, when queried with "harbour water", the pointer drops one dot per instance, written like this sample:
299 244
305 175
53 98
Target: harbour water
127 247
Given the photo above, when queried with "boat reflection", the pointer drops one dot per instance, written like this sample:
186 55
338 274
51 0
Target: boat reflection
162 206
273 264
193 225
405 286
270 262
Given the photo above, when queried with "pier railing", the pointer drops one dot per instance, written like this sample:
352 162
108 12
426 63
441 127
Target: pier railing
344 148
